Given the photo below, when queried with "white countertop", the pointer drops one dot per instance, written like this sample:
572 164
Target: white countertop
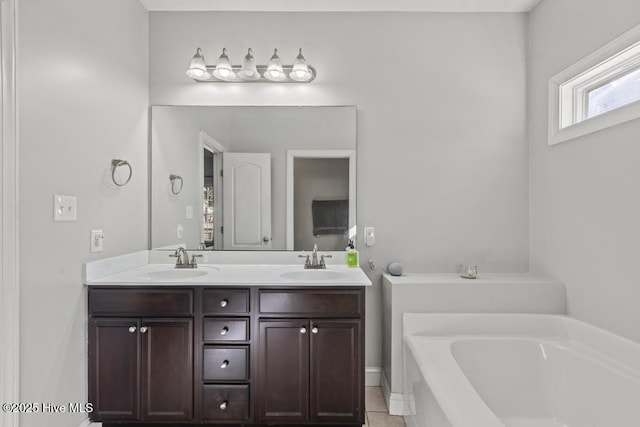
135 270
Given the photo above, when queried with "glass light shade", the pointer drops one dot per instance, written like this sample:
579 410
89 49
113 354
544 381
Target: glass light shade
249 70
274 69
197 68
223 70
300 71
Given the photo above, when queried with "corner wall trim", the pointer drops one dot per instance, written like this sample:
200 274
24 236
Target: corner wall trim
395 401
9 267
372 376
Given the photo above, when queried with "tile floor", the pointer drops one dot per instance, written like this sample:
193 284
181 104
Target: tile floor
376 410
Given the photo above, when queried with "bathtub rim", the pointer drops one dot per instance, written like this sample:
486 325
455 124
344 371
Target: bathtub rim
601 341
449 384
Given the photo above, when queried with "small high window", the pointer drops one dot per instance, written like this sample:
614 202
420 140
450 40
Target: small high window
612 94
597 92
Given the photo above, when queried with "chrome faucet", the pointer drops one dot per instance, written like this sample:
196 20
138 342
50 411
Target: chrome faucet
312 260
182 258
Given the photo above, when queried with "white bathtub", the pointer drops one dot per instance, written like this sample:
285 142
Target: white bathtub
518 370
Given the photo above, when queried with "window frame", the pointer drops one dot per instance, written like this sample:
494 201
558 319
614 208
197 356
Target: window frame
569 88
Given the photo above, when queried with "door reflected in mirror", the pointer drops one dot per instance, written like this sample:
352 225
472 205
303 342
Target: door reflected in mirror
238 190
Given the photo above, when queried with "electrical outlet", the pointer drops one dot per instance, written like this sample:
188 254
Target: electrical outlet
97 241
65 208
189 212
180 231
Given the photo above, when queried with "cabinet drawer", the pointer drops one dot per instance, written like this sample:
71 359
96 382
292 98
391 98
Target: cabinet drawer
310 302
225 402
219 301
225 329
141 302
226 364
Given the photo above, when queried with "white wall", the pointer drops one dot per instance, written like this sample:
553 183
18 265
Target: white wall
442 153
585 204
82 98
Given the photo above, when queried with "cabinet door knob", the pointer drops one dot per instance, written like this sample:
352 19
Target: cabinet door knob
314 330
224 303
224 364
143 330
224 331
132 329
303 330
223 405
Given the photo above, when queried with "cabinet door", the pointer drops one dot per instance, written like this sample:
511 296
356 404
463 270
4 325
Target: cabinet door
167 369
283 380
336 377
114 386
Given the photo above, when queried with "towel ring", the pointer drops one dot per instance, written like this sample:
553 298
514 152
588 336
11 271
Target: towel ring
115 163
173 179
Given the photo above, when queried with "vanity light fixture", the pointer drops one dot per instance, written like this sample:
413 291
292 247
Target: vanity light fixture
197 68
249 70
224 70
273 72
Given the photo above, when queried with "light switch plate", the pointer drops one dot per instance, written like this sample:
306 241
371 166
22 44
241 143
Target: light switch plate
179 231
189 212
65 208
97 241
369 236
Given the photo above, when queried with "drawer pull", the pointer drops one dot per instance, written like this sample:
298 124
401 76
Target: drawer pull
224 364
143 330
223 405
303 330
314 330
224 331
132 329
224 303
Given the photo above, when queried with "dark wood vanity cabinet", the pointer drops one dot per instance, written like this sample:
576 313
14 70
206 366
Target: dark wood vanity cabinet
226 356
234 356
311 356
140 368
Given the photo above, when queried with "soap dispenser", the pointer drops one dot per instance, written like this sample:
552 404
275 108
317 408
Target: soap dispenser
352 255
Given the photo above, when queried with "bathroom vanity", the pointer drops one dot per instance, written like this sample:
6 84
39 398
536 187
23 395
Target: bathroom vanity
222 349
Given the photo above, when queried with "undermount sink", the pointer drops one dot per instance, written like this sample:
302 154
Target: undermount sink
313 275
173 274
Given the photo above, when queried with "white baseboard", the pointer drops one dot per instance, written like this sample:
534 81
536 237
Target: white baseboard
372 376
395 401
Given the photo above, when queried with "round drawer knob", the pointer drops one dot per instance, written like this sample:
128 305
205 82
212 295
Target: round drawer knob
314 330
224 364
303 330
223 405
132 329
224 303
144 330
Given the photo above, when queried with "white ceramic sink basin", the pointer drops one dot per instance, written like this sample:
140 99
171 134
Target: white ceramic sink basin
173 274
313 275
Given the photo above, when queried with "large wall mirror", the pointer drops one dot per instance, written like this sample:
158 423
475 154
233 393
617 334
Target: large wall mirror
252 178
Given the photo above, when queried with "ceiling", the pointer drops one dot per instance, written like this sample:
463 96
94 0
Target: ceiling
342 5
